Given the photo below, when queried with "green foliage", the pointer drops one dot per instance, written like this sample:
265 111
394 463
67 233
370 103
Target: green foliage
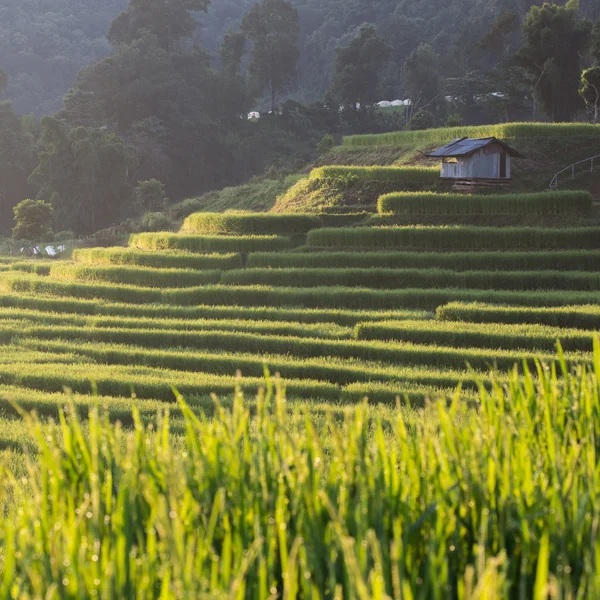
582 317
455 238
590 91
33 220
157 260
392 174
341 372
206 243
143 492
154 221
249 223
326 144
357 69
475 335
422 120
168 21
440 136
422 80
150 196
83 173
139 276
560 260
214 311
424 203
257 195
554 42
453 120
377 278
314 297
272 26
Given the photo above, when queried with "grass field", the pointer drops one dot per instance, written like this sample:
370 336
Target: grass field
263 500
471 473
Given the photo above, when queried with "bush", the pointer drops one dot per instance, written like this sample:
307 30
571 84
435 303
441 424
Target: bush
155 221
456 238
250 223
422 120
150 196
543 203
200 243
33 220
326 144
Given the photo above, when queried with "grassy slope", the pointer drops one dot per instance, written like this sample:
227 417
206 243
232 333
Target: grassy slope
544 156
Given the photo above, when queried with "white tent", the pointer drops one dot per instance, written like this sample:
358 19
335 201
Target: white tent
384 104
253 115
397 103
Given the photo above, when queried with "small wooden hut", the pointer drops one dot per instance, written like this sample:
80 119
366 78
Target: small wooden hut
471 163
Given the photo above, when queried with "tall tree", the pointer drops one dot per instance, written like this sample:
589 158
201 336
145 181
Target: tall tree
595 43
83 173
554 41
272 27
590 91
357 68
422 78
168 20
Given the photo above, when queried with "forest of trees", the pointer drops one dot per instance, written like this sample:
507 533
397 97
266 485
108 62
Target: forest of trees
160 89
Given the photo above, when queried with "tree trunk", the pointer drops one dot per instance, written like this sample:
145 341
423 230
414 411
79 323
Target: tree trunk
272 97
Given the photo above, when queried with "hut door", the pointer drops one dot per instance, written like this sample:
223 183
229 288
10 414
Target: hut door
502 165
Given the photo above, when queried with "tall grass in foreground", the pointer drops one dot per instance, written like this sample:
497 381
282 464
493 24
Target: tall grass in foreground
491 503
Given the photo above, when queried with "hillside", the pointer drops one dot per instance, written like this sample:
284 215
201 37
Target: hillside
43 43
547 149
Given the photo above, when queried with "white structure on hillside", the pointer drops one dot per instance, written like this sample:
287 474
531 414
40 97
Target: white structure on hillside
486 160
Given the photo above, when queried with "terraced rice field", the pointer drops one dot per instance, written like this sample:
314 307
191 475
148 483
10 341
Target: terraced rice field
340 312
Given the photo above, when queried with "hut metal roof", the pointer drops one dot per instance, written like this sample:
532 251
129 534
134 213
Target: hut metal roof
465 146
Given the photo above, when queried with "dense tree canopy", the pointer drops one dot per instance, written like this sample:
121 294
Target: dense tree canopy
83 173
555 40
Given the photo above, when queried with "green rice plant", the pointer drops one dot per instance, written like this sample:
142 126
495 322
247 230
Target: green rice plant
347 298
240 507
477 335
257 313
581 317
137 276
32 266
385 352
444 135
156 259
206 243
542 203
318 330
385 174
559 260
389 392
250 223
456 238
416 278
144 382
334 370
47 404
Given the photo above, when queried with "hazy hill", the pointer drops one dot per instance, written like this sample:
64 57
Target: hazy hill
43 43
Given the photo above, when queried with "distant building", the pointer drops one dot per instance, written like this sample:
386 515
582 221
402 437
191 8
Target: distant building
476 162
